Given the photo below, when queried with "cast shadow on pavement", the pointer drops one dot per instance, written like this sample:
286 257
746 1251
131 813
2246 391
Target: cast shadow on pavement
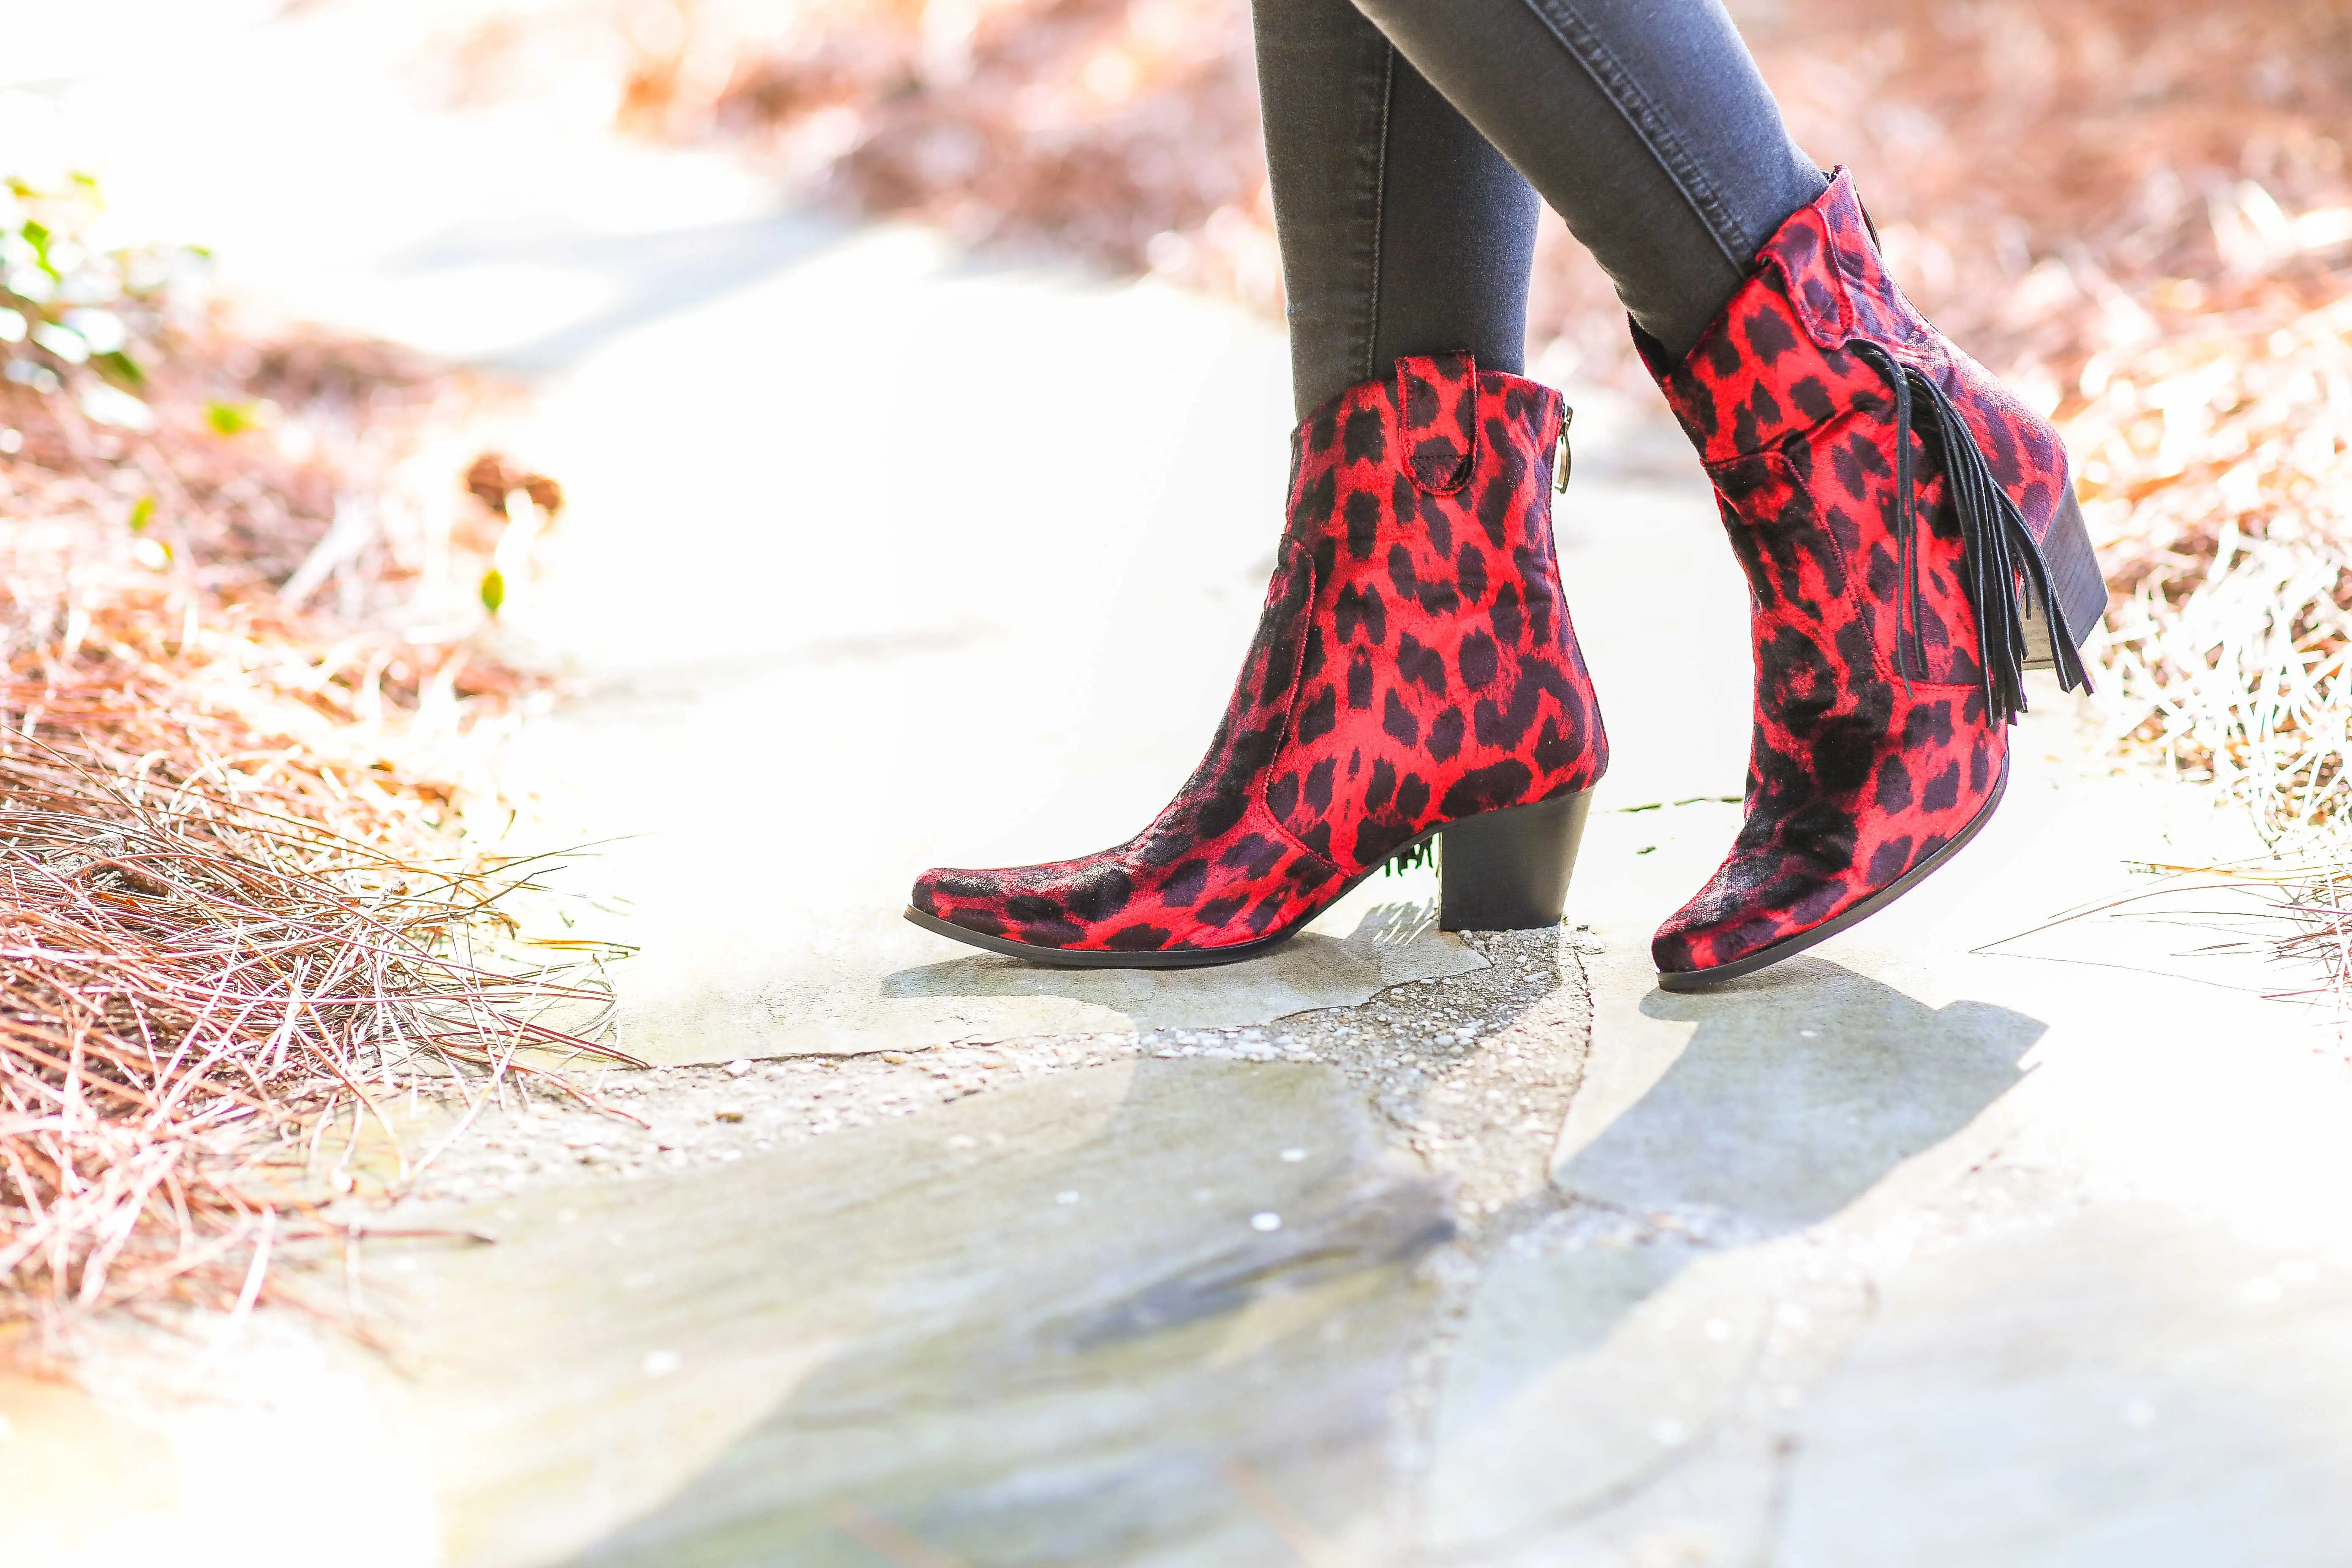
1583 1365
1799 1090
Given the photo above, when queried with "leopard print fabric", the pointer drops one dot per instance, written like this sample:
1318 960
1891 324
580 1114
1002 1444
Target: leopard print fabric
1413 665
1875 745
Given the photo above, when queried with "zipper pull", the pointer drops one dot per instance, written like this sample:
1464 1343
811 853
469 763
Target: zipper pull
1562 464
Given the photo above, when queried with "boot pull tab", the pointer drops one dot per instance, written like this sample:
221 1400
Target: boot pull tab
1438 414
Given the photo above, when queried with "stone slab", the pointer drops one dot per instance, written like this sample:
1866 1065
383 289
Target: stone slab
1041 1326
2126 1386
257 1445
1580 1375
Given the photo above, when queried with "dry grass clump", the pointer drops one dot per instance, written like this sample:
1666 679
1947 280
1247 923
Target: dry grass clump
198 982
2314 902
2214 479
2286 912
246 686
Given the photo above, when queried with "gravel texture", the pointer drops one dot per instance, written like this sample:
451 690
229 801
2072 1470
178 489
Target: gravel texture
1472 1073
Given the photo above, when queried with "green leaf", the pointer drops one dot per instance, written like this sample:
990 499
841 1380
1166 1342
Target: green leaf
494 590
142 512
232 418
119 366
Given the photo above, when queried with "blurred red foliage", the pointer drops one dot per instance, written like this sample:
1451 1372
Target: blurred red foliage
2135 143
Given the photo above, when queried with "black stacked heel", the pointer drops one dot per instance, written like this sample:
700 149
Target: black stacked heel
1509 870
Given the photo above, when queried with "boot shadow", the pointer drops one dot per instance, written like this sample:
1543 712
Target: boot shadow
1800 1092
1796 1096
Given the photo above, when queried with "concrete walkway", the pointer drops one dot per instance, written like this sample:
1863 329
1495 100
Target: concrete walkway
1937 1247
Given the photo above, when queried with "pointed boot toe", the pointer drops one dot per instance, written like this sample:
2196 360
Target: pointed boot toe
1014 905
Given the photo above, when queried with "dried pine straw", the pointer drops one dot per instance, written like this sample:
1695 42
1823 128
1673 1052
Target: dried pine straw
195 980
2288 913
246 693
2214 479
2315 900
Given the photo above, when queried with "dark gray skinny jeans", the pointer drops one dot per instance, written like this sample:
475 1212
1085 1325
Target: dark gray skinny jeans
1404 137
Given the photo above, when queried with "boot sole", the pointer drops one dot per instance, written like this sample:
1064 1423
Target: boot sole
1500 871
1788 947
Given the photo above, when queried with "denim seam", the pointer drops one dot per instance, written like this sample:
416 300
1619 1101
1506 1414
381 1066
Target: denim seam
1378 214
1648 122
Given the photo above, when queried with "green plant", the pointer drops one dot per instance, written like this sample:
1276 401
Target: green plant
77 316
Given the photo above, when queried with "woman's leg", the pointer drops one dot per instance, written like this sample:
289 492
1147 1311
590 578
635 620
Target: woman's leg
1403 231
1642 123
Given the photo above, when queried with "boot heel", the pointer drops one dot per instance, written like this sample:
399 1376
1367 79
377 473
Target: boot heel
1508 870
2074 583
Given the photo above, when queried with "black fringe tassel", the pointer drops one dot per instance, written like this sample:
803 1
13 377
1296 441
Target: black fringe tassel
2004 573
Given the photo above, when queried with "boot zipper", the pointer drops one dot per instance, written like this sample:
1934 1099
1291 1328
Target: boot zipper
1561 465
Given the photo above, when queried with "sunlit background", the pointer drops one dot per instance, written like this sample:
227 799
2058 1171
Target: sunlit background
782 446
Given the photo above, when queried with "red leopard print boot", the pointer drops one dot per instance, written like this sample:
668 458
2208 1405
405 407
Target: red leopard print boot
1413 671
1912 542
